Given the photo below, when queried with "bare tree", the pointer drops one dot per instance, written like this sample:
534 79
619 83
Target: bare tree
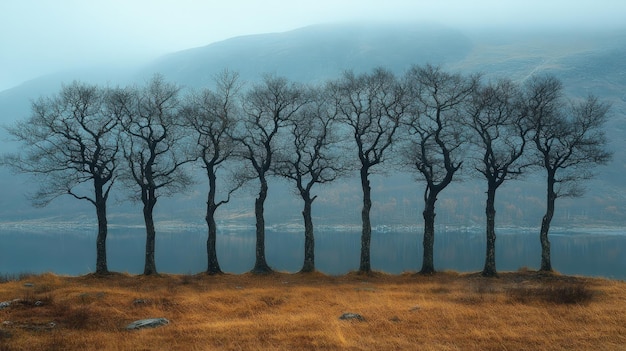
154 141
71 139
310 157
500 135
435 137
268 107
370 106
212 116
569 140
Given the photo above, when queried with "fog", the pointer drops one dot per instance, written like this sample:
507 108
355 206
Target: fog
45 36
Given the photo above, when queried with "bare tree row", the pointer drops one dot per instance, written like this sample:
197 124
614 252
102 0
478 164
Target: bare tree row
86 138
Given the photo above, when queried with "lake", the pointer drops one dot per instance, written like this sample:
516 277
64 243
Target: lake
71 251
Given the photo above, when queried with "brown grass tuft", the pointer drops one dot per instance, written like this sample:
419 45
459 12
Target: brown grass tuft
557 293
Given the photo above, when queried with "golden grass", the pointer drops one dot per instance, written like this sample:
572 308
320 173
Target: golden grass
446 311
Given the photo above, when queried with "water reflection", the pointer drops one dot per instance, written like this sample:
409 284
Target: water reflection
73 253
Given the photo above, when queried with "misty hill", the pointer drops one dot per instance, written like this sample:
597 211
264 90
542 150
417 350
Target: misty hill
585 62
316 53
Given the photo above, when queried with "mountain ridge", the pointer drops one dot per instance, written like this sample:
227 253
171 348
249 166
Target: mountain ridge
325 51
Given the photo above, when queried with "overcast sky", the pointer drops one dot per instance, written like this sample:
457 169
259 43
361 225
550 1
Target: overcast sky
43 36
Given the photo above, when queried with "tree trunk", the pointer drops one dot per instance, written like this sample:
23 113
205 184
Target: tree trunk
366 234
150 265
490 258
101 249
546 264
309 239
260 266
101 214
428 266
213 266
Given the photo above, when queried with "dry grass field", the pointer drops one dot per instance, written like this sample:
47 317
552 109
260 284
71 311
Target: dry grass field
447 311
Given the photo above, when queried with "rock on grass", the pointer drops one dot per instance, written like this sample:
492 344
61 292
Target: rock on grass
352 316
147 323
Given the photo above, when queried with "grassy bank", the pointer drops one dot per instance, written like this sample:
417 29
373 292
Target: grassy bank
446 311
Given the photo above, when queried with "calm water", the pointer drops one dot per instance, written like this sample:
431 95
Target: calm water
72 252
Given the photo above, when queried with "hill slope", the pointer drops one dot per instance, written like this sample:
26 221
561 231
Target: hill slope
316 53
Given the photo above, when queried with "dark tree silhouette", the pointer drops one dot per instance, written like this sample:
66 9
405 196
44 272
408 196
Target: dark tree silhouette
268 107
500 135
212 116
153 146
569 140
69 140
370 106
435 140
310 157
